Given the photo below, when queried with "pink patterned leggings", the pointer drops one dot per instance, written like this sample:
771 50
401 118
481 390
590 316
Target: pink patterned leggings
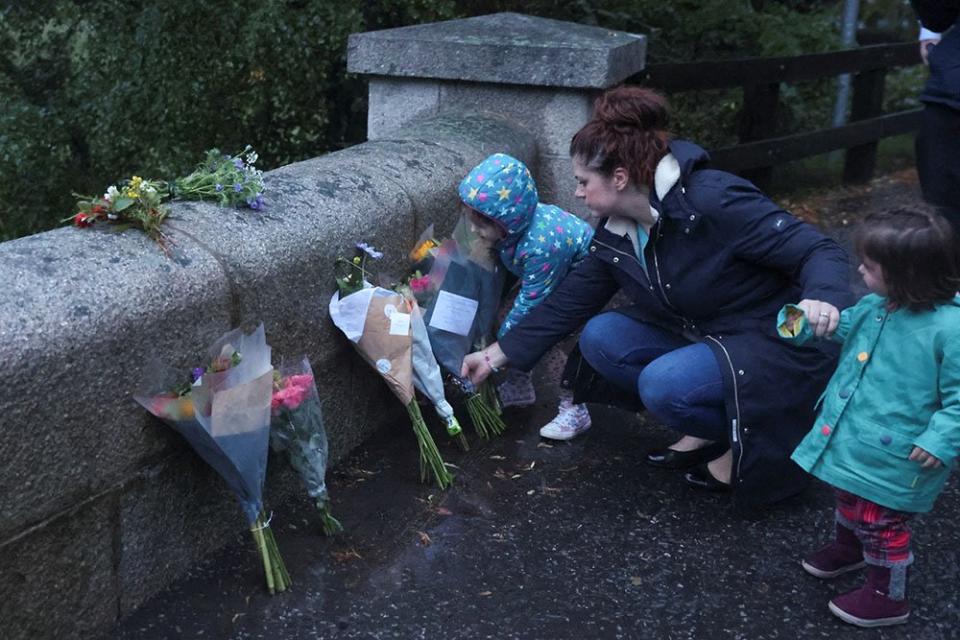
883 532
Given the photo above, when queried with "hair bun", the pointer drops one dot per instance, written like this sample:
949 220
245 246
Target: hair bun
631 107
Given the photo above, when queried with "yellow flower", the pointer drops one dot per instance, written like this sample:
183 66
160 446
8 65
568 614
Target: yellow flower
422 250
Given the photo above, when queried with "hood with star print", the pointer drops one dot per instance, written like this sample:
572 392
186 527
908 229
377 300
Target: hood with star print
543 241
502 189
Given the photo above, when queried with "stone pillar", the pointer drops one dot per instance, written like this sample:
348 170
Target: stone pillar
542 74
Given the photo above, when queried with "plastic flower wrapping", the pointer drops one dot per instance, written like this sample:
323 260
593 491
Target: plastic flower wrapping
460 297
297 428
387 330
224 414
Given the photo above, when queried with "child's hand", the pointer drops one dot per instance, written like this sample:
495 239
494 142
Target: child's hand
926 460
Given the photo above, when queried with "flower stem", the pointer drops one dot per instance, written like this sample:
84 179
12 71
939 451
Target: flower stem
485 419
258 537
331 526
430 460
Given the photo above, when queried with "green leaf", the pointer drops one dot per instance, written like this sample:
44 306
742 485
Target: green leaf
122 203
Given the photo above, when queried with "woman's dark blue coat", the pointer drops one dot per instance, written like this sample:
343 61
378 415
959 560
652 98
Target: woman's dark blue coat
722 260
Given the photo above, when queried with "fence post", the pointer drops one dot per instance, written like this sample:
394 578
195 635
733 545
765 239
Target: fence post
758 121
867 103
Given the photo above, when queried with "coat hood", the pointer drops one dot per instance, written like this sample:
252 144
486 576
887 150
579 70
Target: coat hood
502 189
688 155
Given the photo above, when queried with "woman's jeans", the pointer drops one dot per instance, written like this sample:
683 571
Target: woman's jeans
678 381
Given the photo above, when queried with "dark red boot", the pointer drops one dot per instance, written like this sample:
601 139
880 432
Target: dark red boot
840 556
871 604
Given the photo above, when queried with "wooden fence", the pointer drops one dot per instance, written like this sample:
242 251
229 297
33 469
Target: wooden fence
758 152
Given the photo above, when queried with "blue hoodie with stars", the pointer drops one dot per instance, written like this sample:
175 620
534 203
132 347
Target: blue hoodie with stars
543 241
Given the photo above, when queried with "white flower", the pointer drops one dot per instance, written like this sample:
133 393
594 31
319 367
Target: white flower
369 250
252 157
111 193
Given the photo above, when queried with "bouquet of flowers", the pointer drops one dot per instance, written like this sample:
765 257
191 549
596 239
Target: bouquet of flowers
230 180
136 202
460 294
297 428
225 416
387 330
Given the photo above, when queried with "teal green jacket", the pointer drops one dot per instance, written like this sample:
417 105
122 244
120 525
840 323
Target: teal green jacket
896 387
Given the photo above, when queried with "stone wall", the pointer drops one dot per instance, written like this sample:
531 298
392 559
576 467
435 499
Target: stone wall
102 505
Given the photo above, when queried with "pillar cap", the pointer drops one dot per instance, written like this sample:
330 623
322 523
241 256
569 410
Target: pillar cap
504 48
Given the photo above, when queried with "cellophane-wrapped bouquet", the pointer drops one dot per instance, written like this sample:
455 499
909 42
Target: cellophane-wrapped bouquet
460 294
386 329
297 428
225 416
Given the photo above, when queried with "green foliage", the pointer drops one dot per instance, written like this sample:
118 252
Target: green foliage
98 90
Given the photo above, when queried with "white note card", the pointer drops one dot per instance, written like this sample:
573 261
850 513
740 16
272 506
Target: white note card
454 313
399 324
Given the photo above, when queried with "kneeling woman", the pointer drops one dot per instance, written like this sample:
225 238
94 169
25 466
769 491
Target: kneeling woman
706 261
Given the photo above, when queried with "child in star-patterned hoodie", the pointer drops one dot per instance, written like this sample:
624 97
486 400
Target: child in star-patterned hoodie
539 243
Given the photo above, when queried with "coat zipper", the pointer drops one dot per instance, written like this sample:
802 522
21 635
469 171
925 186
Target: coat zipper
735 433
656 268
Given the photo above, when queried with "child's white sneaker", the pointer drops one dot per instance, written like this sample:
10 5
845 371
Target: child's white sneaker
571 421
517 389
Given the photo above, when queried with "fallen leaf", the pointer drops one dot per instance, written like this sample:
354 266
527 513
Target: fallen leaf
551 490
498 457
347 556
544 445
424 539
235 616
515 476
499 473
636 581
531 492
443 511
485 593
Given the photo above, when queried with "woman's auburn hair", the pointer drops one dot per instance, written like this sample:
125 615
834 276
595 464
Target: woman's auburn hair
916 251
628 129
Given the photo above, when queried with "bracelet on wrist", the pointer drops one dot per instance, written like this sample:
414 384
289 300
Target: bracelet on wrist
489 362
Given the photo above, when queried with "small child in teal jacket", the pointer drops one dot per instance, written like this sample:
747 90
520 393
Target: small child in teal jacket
539 243
888 430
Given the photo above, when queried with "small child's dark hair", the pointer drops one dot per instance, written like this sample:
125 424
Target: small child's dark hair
916 251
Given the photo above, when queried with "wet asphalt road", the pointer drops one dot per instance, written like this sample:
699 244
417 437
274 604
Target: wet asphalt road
547 540
543 540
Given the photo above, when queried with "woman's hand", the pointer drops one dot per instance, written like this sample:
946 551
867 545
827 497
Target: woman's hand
926 460
823 317
477 366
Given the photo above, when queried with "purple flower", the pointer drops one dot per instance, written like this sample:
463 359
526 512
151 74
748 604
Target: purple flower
237 187
197 373
238 163
219 188
255 203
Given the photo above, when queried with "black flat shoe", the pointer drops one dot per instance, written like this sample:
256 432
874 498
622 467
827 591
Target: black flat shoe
671 459
701 478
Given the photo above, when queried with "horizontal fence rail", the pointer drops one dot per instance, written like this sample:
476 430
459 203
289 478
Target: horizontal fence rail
760 149
690 76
